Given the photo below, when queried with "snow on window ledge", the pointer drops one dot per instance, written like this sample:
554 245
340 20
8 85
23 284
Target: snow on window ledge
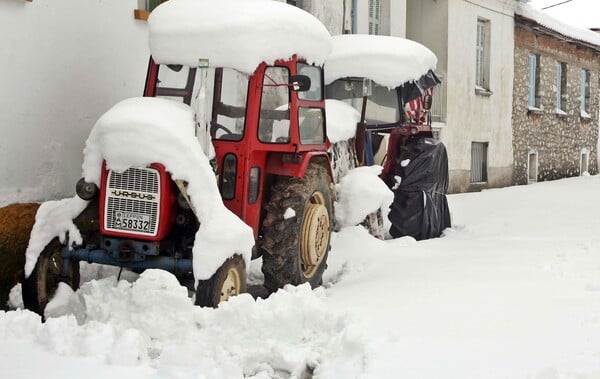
483 91
585 115
560 112
535 110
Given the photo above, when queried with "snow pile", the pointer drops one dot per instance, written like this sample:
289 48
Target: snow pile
239 34
341 120
361 192
550 22
389 61
152 322
139 131
53 219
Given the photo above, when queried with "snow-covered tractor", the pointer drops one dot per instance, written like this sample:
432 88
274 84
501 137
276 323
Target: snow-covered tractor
390 81
224 159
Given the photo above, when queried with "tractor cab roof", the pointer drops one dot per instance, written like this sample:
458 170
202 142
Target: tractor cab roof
388 61
238 34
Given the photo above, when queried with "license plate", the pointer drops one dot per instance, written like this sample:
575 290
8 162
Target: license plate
132 221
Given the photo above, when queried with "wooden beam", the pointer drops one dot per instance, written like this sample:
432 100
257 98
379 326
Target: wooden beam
141 14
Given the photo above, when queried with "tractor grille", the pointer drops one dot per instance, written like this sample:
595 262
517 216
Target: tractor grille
133 201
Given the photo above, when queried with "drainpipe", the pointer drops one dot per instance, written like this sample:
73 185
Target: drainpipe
354 17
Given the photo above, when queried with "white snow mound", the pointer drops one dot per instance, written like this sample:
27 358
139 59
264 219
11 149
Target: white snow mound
53 219
341 120
139 131
360 193
389 61
239 34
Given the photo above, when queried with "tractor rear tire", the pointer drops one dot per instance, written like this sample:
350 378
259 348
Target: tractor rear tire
229 280
40 286
295 248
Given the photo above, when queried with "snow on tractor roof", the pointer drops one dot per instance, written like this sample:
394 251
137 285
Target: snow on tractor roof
389 61
238 34
139 131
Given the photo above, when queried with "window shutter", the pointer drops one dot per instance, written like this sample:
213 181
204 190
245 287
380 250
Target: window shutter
582 101
532 65
558 84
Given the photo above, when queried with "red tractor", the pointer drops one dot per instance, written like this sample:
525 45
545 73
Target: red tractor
268 130
390 80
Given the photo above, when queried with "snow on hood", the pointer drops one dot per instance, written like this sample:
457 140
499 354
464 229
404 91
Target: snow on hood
389 61
139 131
341 120
239 34
550 22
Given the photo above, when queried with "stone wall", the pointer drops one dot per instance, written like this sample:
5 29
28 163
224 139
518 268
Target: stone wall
558 139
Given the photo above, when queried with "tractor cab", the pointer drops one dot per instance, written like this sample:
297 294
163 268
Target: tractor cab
253 126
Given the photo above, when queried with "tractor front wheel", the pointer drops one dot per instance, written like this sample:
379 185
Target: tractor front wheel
228 281
39 288
296 229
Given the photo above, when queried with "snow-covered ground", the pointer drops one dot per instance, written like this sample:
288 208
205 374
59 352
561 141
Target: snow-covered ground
511 291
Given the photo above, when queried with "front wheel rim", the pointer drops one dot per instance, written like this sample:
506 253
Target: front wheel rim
231 285
315 235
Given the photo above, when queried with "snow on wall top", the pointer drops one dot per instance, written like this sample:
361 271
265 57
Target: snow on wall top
139 131
238 34
550 22
389 61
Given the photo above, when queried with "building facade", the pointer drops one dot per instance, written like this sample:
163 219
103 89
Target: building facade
474 43
555 103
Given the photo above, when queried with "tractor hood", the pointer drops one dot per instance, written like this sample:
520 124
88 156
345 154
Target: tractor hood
139 131
388 61
238 34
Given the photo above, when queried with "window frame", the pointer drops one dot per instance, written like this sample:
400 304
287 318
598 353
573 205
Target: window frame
289 113
561 87
479 167
584 97
482 54
374 7
530 155
534 100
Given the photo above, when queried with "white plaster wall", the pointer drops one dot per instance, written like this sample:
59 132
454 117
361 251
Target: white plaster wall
62 64
472 117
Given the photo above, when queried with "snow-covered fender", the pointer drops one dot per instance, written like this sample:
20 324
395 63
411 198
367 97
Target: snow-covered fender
290 164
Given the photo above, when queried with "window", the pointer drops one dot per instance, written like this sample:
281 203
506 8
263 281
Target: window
479 152
229 110
315 92
532 167
311 121
482 66
585 93
375 17
584 162
145 7
297 3
561 87
274 124
534 81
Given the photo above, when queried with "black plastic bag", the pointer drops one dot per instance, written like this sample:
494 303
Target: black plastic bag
420 207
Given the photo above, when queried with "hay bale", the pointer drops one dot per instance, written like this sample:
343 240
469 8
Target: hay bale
16 222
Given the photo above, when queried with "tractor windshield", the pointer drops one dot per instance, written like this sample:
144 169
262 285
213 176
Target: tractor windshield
382 103
217 95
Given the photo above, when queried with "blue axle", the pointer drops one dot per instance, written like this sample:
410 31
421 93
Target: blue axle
104 257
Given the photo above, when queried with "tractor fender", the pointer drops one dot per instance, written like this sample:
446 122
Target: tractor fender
288 164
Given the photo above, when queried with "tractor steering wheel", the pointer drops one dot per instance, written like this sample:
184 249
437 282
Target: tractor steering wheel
214 126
